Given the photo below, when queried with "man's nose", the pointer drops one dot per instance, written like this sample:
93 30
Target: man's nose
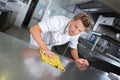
76 32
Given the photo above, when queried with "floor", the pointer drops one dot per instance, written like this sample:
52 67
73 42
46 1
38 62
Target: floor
20 33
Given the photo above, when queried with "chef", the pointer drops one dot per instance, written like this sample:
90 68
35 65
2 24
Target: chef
58 30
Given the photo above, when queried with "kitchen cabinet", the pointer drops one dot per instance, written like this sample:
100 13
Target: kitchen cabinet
5 16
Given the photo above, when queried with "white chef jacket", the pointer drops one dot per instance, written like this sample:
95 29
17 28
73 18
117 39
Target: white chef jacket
55 32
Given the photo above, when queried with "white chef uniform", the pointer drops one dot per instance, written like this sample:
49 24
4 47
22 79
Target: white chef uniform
55 32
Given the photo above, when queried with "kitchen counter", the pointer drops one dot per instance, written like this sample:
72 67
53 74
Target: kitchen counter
21 61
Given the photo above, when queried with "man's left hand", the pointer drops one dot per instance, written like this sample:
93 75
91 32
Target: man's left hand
82 63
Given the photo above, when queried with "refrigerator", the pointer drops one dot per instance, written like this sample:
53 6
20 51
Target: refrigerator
39 12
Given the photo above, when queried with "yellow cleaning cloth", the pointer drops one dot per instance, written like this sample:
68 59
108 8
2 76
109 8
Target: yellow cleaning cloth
55 61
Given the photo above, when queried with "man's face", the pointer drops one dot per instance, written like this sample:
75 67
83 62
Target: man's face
76 27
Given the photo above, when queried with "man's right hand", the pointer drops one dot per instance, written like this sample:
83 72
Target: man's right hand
48 53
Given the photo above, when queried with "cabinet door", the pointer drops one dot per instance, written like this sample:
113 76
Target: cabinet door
4 19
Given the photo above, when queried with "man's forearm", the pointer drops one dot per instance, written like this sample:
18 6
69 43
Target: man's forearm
36 33
74 53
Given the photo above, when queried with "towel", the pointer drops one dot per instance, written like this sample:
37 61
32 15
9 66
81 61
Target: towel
55 61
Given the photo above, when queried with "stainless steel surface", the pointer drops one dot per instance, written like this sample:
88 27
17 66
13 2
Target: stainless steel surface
99 60
98 38
20 61
118 35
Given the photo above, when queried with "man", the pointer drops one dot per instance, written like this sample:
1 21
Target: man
59 30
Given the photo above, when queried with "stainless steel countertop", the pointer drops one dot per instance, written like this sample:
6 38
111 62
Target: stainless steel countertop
20 61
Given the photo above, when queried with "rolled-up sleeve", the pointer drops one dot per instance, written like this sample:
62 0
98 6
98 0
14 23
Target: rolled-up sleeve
73 42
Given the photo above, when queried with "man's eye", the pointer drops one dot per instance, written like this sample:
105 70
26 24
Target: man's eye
76 27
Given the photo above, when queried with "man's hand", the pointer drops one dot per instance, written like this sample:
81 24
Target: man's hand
82 63
48 53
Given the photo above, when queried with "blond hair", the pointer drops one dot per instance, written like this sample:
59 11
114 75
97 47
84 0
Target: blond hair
85 18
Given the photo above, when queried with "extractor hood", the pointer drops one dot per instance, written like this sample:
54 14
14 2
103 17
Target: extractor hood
94 6
113 4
